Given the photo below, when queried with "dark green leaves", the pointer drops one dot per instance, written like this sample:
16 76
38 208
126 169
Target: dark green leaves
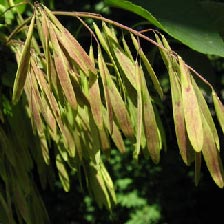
185 21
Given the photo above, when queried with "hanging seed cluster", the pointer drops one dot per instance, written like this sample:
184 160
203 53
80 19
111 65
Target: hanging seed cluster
20 202
83 103
195 129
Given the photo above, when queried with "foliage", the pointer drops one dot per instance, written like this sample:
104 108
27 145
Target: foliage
80 104
197 24
132 204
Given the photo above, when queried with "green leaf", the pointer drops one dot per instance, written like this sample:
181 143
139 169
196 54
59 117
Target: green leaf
127 5
21 8
186 21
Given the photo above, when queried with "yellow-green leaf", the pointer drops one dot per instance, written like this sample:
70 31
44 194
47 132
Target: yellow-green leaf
104 73
211 155
206 112
127 65
23 65
97 186
139 74
148 66
219 109
184 145
108 182
101 37
63 174
192 111
126 48
110 32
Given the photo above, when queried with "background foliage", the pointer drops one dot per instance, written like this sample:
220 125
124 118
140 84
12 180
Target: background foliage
149 193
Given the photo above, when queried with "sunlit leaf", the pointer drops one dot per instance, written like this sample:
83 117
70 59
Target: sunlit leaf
74 49
63 174
211 155
104 73
127 66
110 32
101 38
178 112
192 112
219 108
139 77
23 66
98 187
68 139
62 70
109 183
126 48
178 115
206 112
148 66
